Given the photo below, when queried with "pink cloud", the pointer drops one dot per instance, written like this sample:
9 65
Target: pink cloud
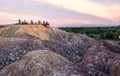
106 10
116 19
71 21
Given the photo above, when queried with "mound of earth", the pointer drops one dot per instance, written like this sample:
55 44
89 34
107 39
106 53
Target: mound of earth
42 33
82 55
42 63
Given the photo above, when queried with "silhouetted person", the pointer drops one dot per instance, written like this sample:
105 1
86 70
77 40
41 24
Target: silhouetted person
19 21
22 22
32 22
25 22
46 24
36 23
39 22
43 22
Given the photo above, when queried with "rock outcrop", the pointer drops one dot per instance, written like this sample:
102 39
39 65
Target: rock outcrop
13 48
69 54
102 59
118 43
42 63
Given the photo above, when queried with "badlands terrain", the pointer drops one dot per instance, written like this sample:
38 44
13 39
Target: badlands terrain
36 50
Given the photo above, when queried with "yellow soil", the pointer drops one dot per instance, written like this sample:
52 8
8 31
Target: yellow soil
1 29
38 31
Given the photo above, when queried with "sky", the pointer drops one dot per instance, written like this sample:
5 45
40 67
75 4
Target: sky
61 12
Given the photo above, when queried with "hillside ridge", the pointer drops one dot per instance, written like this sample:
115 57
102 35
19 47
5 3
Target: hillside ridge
81 54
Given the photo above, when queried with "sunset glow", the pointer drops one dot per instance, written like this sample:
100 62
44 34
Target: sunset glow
61 12
108 11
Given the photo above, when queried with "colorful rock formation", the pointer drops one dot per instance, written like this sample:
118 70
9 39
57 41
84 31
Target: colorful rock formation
22 53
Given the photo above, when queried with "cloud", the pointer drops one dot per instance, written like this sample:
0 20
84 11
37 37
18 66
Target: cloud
108 11
107 1
60 12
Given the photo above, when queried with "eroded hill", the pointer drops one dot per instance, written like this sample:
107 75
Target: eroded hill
83 55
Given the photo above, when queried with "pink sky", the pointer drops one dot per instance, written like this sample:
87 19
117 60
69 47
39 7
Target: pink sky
61 12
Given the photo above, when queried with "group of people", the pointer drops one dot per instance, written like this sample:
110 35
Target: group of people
45 23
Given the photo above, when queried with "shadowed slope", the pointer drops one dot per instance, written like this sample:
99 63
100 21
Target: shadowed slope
13 49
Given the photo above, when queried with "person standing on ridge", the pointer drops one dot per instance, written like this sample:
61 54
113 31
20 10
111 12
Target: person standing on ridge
19 21
32 22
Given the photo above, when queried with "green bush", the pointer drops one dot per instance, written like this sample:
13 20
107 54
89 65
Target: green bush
96 32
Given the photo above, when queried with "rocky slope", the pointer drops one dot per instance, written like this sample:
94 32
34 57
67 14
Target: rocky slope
82 55
42 63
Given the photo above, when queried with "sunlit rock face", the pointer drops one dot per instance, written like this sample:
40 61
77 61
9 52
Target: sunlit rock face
68 54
